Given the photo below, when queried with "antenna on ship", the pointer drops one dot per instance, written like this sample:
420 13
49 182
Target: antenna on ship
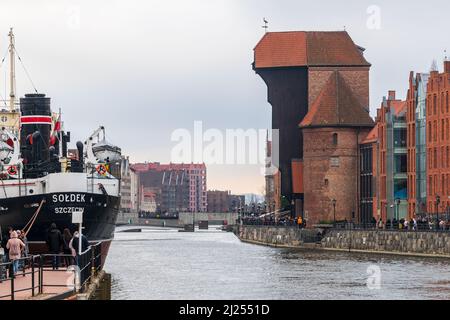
12 71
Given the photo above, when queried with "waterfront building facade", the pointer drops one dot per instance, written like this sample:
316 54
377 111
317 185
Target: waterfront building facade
392 133
416 144
218 201
411 175
224 201
438 141
177 187
125 186
369 173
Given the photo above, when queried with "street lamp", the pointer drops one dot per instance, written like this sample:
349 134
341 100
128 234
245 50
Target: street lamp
438 201
393 217
446 213
397 211
333 202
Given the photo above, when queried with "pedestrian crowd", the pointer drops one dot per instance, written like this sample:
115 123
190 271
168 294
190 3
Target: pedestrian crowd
414 224
272 221
14 249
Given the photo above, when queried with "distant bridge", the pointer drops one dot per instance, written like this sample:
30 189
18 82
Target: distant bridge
183 219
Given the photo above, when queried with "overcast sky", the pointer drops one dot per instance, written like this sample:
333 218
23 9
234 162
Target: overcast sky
145 68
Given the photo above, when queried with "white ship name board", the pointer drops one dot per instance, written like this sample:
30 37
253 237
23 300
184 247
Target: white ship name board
77 216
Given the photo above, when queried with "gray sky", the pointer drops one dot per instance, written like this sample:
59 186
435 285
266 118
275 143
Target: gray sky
146 68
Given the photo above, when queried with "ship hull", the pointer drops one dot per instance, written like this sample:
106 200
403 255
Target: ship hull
99 216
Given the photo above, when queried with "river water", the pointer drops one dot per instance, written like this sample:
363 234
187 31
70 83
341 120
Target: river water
166 264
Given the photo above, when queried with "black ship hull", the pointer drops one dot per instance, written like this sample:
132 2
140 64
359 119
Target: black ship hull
99 217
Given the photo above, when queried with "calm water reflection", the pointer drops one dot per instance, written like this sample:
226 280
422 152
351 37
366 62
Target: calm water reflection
167 264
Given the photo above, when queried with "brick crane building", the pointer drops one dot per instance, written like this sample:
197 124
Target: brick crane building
324 75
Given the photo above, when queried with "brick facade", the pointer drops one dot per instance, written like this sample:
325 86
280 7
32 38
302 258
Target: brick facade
331 172
438 139
411 144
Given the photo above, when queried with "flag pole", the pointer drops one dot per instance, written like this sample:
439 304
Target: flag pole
60 135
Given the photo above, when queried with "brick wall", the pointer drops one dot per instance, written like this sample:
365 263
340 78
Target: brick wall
331 172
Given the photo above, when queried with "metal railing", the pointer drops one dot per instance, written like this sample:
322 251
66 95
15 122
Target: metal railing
28 266
395 226
86 266
261 222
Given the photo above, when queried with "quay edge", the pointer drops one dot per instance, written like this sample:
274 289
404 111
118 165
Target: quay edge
402 243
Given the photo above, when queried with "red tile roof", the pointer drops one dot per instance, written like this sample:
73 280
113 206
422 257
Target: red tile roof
398 106
336 106
300 48
372 136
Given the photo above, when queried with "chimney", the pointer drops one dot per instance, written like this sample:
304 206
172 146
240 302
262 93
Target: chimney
391 95
447 66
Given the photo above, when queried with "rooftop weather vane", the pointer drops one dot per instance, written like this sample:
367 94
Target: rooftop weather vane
266 24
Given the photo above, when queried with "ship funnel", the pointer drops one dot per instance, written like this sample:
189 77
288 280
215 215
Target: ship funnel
36 147
35 117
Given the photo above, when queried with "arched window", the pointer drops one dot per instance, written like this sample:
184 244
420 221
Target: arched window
335 139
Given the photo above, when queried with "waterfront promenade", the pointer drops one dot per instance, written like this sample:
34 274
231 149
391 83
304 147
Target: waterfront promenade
54 283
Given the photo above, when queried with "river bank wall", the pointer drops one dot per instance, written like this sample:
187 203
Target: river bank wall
431 244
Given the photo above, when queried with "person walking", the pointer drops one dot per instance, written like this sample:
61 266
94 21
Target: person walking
2 259
54 243
5 240
15 247
26 251
300 222
67 237
76 245
406 224
72 249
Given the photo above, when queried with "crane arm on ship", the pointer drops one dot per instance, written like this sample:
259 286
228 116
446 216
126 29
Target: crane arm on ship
90 156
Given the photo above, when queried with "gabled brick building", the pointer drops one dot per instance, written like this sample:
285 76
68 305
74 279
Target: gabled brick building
438 139
416 143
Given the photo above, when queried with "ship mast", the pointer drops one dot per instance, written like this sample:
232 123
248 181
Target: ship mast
12 74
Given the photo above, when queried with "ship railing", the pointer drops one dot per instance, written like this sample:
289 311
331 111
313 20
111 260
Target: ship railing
28 266
90 263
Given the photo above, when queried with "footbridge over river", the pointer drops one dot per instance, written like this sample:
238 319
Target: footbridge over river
184 218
